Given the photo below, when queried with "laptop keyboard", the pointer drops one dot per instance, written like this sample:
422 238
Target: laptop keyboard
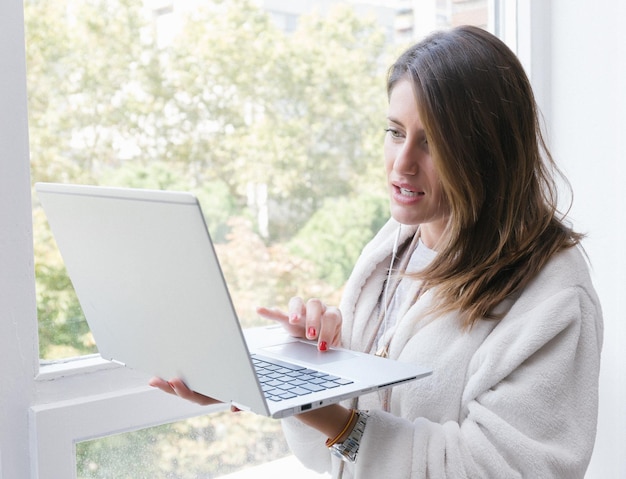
281 380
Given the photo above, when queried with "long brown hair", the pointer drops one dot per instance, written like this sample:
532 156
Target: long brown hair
484 134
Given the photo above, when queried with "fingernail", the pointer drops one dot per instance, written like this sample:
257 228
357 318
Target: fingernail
323 346
294 317
171 385
311 332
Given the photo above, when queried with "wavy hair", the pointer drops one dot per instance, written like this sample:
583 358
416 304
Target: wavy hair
498 177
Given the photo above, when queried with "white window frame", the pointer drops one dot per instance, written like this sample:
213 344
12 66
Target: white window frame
46 408
89 398
531 39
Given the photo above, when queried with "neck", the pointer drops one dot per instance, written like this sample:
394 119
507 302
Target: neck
431 234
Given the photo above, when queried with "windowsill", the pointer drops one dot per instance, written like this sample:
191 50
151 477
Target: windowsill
51 370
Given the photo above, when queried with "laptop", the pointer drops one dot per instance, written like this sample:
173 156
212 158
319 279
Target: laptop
149 282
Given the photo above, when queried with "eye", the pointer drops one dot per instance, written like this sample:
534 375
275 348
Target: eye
393 132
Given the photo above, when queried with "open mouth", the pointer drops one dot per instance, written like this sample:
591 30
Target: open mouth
410 193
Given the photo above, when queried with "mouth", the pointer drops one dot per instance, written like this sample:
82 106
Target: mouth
407 191
410 193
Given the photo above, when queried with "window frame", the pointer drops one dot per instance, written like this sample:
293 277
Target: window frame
72 400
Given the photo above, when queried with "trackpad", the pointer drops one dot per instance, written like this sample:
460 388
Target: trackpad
308 352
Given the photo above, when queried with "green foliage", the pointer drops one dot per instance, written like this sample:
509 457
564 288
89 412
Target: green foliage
334 237
291 113
85 83
63 331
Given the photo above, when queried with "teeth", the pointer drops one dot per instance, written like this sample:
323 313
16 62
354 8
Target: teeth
406 192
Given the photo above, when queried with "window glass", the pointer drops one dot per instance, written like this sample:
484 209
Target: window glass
247 104
262 124
206 446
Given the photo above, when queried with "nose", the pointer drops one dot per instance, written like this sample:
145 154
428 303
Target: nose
407 160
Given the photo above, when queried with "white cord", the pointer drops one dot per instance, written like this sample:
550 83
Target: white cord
394 253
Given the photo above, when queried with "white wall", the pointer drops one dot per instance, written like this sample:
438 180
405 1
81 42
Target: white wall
588 131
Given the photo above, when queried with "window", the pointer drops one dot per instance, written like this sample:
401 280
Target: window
107 105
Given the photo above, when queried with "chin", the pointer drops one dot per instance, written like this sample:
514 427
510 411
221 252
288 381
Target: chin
404 219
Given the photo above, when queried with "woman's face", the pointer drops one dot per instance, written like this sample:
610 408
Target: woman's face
415 192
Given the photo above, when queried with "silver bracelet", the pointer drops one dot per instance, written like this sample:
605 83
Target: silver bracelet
348 449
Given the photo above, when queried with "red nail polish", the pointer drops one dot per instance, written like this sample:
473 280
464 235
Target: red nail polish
311 332
323 346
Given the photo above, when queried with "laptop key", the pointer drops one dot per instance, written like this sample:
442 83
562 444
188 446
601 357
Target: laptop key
281 364
287 395
298 391
343 381
313 387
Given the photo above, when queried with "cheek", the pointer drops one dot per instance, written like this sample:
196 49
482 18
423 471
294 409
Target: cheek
441 200
431 172
435 183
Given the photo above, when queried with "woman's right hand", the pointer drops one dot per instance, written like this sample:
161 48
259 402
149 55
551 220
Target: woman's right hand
311 320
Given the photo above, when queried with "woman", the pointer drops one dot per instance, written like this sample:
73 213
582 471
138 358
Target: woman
475 275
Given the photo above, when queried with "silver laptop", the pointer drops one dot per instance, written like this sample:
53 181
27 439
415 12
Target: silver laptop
152 290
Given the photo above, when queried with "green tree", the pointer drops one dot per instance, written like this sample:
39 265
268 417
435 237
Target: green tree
293 113
332 260
86 75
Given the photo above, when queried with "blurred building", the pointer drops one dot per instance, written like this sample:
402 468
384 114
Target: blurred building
402 20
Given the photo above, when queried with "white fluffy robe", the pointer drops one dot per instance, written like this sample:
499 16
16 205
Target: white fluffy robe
515 398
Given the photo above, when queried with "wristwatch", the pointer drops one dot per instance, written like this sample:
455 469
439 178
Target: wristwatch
348 449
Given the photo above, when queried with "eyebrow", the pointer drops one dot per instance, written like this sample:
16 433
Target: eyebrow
391 119
421 131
